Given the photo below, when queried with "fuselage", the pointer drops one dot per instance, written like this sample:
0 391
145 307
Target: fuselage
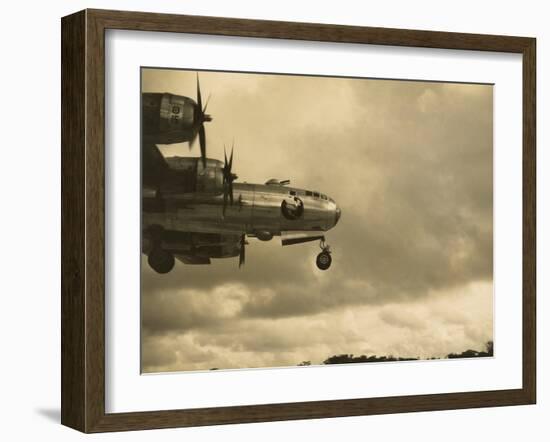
257 210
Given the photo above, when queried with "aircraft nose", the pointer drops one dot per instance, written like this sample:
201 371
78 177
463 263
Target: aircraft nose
337 215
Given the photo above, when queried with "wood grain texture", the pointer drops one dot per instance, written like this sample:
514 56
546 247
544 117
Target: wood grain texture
83 220
73 129
529 220
306 31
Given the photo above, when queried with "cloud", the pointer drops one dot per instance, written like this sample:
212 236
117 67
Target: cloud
182 310
402 319
426 328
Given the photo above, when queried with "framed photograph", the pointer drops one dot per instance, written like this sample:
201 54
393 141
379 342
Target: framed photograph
268 221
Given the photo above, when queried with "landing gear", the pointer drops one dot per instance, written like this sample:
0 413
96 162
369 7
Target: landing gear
324 260
160 260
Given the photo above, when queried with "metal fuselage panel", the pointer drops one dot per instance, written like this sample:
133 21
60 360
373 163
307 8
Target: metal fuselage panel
256 208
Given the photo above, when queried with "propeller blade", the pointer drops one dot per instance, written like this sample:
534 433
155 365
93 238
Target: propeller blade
224 203
202 142
206 104
231 192
241 252
228 178
199 98
225 183
199 119
192 141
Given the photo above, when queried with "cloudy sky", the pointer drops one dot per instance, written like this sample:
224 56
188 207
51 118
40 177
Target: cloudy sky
409 163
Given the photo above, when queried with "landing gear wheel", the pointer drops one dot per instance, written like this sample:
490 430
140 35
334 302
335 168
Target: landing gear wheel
161 261
324 260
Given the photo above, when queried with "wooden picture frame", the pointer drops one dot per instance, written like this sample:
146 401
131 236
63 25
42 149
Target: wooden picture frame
83 220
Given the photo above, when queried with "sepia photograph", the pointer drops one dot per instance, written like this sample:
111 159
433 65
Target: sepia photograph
299 220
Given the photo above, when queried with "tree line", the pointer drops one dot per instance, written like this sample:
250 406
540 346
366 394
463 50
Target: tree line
350 358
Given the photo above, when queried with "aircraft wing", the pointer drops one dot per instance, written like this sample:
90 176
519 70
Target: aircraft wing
153 164
290 237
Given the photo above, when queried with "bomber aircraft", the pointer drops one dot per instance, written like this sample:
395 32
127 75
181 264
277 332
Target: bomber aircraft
169 118
194 211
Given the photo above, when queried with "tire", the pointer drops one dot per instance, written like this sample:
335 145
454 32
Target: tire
324 260
161 261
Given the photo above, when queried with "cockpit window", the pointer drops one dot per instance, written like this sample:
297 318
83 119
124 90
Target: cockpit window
323 196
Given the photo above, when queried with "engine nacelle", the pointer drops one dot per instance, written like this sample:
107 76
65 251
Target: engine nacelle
190 175
168 118
264 235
